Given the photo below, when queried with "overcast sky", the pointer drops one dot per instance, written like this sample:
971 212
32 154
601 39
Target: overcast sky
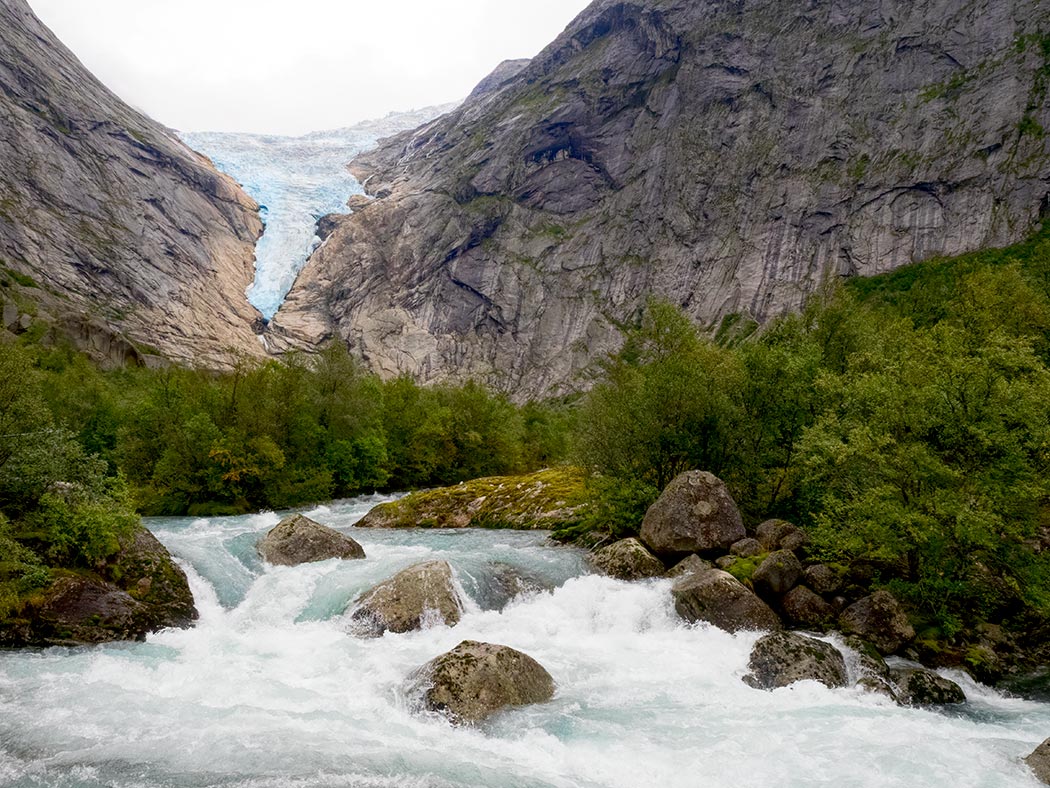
292 66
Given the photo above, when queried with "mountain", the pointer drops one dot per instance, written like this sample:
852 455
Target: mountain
728 155
110 227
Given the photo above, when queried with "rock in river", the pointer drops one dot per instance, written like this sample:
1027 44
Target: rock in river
695 514
921 687
628 560
475 680
880 620
1039 761
720 599
299 540
421 594
782 658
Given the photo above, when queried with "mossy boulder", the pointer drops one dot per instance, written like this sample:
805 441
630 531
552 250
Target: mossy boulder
879 619
1039 762
783 658
777 574
548 500
136 591
780 535
804 608
475 680
718 598
628 560
823 579
299 540
694 514
421 594
921 687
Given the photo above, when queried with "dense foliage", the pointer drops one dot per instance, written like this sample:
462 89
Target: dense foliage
904 421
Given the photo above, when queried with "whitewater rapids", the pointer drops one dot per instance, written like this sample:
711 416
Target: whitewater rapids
270 691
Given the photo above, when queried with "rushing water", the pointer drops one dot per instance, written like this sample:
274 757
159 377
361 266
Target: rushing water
270 691
296 181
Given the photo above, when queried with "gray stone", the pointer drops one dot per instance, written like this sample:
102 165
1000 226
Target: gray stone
822 579
921 687
695 514
747 548
628 560
421 594
688 565
718 598
777 574
782 658
726 561
475 680
779 535
299 540
803 608
1039 761
879 619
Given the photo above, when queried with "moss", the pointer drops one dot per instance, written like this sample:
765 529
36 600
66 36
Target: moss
744 568
10 275
550 499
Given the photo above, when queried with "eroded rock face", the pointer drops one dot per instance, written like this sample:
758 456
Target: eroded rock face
694 514
475 680
134 239
727 157
720 599
628 560
421 594
879 619
1039 761
782 658
920 687
299 540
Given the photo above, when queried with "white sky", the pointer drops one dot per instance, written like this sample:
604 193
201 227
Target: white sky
292 66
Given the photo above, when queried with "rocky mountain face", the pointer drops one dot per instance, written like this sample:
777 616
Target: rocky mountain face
728 155
110 228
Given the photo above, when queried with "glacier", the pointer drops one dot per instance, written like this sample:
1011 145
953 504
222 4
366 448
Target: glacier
296 181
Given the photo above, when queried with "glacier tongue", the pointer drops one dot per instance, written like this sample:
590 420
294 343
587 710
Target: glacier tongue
296 180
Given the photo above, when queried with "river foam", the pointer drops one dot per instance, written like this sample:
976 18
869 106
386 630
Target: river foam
270 691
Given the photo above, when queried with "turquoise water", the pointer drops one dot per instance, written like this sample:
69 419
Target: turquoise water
270 690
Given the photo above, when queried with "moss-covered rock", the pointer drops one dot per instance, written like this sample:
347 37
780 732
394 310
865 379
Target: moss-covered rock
475 680
299 540
550 499
782 658
138 590
718 598
628 560
920 687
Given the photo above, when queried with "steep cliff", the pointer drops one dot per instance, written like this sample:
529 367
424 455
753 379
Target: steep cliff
110 225
729 155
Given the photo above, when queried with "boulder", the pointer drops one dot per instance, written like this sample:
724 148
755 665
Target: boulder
1039 761
780 535
299 540
628 560
803 608
921 687
822 579
873 674
145 570
782 658
879 619
726 561
501 583
718 598
695 514
778 574
475 680
420 594
84 609
746 548
686 566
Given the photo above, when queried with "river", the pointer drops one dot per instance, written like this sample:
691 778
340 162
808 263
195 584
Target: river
270 690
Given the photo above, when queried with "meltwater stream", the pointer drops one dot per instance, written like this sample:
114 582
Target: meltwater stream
270 691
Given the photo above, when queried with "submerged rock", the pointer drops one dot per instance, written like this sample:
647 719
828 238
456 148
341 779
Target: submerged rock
475 680
628 560
880 620
782 658
421 594
695 514
720 599
501 583
299 540
921 687
1039 761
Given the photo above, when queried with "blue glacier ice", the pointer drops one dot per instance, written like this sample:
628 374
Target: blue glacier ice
296 181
